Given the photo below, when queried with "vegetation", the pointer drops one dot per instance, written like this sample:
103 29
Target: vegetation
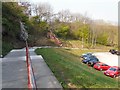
78 44
74 30
66 26
70 71
6 47
11 15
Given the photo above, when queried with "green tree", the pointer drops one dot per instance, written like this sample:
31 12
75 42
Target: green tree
82 32
62 31
102 38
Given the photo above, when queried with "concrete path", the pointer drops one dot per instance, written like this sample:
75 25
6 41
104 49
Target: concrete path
14 72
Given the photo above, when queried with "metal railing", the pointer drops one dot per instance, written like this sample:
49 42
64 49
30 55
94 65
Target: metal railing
31 77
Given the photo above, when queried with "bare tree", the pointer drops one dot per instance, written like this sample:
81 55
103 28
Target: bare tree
64 16
35 9
27 7
43 10
77 17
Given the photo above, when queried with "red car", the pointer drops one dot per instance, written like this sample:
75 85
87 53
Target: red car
113 71
101 66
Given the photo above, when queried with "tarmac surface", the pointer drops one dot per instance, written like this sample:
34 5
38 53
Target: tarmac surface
108 58
14 71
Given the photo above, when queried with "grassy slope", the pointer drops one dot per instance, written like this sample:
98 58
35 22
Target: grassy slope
69 70
78 44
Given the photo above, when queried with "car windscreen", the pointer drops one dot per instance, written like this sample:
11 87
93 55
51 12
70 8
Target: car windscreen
97 64
94 59
113 69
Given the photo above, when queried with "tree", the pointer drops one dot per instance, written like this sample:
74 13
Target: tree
44 11
12 11
102 38
65 16
62 31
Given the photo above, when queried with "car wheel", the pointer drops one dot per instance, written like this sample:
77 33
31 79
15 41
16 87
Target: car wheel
91 64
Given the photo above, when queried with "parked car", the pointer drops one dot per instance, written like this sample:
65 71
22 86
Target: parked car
93 61
88 59
113 51
101 66
113 71
86 55
118 53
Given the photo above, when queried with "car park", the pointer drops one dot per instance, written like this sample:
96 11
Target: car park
113 71
101 66
118 53
104 63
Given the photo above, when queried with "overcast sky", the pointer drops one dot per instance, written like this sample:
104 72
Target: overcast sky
96 9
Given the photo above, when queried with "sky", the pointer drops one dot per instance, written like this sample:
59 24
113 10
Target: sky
95 9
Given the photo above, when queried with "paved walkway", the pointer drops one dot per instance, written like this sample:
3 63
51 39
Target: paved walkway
14 71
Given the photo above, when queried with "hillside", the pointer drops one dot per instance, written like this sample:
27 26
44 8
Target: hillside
10 27
12 14
71 72
73 33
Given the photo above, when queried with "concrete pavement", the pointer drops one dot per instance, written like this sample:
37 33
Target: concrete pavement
14 71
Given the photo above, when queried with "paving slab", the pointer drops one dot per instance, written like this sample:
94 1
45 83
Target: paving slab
14 72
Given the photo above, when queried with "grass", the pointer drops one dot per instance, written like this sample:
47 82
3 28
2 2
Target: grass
78 44
6 47
79 52
71 72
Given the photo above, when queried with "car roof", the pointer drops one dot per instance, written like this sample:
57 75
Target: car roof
93 57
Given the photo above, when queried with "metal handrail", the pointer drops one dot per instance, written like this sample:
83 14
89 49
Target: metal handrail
31 77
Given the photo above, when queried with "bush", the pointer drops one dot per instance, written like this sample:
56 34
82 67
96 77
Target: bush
62 31
6 47
102 39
